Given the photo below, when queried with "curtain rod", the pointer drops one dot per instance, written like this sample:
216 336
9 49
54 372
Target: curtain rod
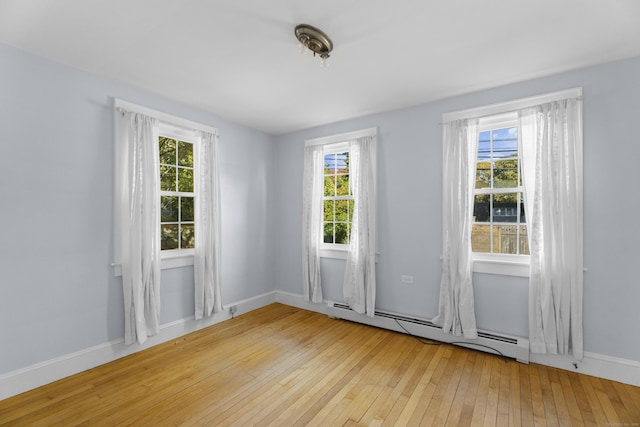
511 106
125 106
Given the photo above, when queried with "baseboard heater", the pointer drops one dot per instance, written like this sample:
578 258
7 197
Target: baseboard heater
508 346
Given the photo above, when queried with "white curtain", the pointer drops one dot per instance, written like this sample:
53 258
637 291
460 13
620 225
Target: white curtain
312 208
359 286
138 221
551 144
456 312
207 230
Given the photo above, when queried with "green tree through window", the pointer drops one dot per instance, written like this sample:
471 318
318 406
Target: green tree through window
177 208
338 201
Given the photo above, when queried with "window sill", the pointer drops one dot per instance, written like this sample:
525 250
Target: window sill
177 259
504 266
170 260
334 253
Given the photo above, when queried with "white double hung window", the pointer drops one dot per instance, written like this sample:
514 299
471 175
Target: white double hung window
499 228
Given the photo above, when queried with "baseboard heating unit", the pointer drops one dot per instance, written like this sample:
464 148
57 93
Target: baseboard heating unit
508 346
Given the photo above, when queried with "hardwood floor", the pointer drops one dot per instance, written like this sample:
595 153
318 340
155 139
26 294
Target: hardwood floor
284 366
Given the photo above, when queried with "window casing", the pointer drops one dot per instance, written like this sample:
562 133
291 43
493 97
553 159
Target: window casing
498 228
169 126
338 200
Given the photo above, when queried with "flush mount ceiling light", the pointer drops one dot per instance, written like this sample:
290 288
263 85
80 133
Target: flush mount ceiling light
314 40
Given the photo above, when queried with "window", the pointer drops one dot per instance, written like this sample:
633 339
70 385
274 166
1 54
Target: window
337 198
181 188
499 229
331 166
499 224
177 197
499 233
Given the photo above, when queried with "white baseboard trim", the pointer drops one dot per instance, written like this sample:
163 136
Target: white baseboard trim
594 364
295 300
16 382
30 377
598 365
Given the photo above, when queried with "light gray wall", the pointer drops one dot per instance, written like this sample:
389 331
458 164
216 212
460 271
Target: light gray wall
410 190
58 294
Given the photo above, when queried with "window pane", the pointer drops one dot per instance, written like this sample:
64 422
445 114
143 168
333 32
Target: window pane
330 186
524 242
185 180
505 239
342 185
505 173
481 238
167 178
186 209
342 233
167 150
169 236
342 162
483 175
329 164
329 210
168 209
342 210
505 142
328 232
523 218
505 207
481 210
484 146
187 236
185 154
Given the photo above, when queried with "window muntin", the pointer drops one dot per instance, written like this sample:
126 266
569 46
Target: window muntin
177 196
338 201
499 222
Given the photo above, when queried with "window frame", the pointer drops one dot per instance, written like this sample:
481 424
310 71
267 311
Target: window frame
334 144
505 264
171 258
497 263
340 248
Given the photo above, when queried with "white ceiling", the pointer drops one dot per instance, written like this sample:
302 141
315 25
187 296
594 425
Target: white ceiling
240 60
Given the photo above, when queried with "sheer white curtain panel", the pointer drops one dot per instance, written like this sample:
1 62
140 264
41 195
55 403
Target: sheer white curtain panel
207 231
551 146
138 222
359 285
456 312
312 192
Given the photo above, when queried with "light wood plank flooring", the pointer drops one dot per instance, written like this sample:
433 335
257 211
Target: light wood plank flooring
283 366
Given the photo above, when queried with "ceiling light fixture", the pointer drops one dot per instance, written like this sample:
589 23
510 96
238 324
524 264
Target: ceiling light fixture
314 40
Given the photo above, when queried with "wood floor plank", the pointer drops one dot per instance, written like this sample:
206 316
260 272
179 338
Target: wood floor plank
281 365
515 398
458 399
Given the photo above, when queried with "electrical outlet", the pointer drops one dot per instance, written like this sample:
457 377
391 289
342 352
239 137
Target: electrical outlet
406 279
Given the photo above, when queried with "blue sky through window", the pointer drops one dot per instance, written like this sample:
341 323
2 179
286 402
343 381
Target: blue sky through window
335 161
505 144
